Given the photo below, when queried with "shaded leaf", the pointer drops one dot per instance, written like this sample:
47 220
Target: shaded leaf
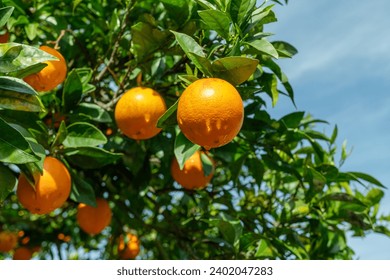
90 157
72 92
169 117
82 191
8 182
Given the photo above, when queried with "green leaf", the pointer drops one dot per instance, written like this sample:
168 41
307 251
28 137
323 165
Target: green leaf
14 148
179 10
271 87
292 120
334 135
281 76
7 182
82 191
90 157
81 134
264 47
366 177
194 52
31 30
184 149
15 57
91 111
216 20
5 14
240 10
61 135
374 196
202 63
146 39
188 44
73 90
231 229
207 164
234 69
265 249
29 70
284 49
15 94
15 84
169 117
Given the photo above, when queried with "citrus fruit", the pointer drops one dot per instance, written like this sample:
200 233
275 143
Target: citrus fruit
51 189
128 247
50 76
22 253
138 111
192 175
93 220
8 241
210 112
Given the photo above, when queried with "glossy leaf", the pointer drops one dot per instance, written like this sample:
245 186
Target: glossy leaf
235 70
216 20
169 117
15 57
72 92
184 149
81 134
14 148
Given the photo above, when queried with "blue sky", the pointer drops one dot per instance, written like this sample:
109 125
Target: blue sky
342 74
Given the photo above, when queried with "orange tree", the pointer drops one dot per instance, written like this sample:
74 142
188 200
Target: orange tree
277 190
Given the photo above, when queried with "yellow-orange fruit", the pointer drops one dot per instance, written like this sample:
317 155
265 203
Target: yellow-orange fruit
22 253
192 175
50 76
138 111
210 112
93 220
128 249
8 241
52 188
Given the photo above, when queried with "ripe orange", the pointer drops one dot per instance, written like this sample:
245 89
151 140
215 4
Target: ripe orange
8 241
210 112
192 176
50 76
138 111
52 188
4 37
22 253
128 249
93 220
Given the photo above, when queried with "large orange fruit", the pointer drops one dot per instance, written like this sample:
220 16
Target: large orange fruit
192 175
128 247
138 111
50 76
8 241
93 220
210 112
22 253
52 188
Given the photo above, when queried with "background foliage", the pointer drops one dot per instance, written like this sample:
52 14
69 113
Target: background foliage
279 190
